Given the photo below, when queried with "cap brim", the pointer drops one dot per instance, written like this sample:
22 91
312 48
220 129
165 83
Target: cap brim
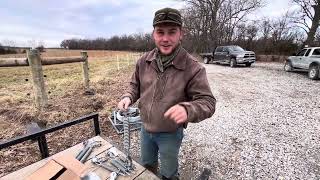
167 21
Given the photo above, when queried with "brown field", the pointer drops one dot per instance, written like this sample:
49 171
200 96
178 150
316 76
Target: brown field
67 101
64 52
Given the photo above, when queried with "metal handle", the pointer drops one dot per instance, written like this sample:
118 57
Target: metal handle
86 155
83 152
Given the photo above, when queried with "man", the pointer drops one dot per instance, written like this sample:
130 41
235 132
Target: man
172 89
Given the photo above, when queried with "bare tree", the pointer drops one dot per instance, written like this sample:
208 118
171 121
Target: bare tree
135 42
265 28
213 22
281 28
10 43
32 43
309 12
252 31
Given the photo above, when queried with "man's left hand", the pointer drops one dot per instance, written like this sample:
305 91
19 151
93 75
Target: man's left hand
177 113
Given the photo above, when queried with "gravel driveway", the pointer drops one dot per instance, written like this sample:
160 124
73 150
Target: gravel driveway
266 126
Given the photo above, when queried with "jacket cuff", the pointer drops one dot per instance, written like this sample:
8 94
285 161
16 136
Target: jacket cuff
190 111
127 95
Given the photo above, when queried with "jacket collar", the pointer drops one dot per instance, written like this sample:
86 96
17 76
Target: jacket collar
179 61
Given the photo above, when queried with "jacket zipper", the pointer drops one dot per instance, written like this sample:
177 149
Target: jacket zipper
154 93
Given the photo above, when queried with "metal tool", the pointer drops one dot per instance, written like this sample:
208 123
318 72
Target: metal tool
113 176
119 161
101 162
112 153
87 149
119 166
91 146
83 151
86 155
90 176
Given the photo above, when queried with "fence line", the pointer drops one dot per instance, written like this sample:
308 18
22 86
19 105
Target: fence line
35 62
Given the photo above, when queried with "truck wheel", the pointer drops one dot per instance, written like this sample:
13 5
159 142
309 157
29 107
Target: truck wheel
314 72
287 66
233 63
206 60
248 64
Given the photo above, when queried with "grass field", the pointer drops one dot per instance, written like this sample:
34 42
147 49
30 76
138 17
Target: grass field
63 53
67 101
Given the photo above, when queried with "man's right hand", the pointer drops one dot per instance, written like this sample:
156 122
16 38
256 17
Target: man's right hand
124 104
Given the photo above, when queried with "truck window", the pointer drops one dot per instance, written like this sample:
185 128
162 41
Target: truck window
225 49
308 52
302 52
316 52
236 48
219 49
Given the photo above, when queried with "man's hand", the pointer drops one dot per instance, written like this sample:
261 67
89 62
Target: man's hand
177 113
124 104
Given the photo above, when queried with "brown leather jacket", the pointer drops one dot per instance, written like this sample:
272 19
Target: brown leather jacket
184 82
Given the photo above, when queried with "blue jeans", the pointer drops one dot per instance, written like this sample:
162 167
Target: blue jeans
167 145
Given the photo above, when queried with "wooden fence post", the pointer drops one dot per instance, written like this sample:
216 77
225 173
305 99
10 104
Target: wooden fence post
85 69
41 96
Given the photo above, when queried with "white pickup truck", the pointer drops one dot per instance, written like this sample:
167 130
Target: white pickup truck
306 59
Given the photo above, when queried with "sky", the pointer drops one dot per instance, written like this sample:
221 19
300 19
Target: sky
30 22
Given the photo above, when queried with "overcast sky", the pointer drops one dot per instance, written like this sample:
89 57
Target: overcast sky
26 21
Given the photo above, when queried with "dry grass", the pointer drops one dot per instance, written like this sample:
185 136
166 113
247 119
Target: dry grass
64 52
66 101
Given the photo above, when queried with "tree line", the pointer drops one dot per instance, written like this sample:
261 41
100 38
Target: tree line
14 50
209 23
7 51
136 42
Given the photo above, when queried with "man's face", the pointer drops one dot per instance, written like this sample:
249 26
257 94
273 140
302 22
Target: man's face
167 37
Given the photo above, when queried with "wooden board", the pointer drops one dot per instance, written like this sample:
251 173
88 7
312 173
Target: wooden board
139 173
26 171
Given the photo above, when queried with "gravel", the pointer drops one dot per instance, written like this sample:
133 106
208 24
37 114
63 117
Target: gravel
266 126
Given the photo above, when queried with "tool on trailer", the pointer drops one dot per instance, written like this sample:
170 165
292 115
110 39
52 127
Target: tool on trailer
113 176
101 162
86 155
87 149
91 176
119 160
119 166
83 151
91 146
112 153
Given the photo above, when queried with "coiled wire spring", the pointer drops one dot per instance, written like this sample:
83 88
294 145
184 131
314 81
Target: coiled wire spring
126 140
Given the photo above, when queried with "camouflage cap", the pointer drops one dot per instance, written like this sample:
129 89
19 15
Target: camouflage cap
167 15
